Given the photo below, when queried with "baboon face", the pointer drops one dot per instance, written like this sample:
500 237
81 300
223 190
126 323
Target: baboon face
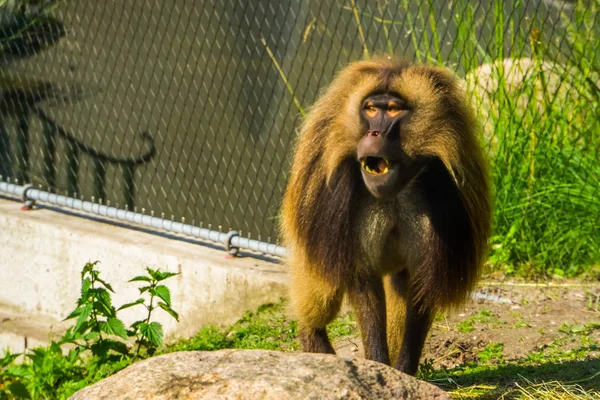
386 169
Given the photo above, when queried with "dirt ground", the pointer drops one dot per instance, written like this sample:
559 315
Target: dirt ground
525 318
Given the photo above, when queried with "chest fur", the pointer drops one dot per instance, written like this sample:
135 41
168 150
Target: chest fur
390 234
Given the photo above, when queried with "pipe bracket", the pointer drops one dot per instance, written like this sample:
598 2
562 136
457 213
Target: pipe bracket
232 250
29 203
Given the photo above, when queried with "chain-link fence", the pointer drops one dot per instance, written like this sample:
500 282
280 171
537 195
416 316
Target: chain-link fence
188 109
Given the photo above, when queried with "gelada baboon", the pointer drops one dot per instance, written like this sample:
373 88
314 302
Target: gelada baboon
388 202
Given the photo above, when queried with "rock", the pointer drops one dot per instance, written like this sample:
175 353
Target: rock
257 374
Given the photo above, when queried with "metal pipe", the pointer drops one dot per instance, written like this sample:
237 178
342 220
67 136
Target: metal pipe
31 193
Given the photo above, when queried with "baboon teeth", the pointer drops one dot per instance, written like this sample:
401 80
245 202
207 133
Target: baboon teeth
375 165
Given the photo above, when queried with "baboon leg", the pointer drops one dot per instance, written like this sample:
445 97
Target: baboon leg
316 303
315 340
368 302
396 294
416 326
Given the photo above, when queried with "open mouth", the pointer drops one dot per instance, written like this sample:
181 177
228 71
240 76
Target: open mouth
375 165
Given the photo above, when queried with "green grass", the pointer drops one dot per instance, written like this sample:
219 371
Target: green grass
267 329
483 317
492 354
542 135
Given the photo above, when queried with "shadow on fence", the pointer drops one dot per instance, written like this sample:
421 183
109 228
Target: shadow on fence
17 164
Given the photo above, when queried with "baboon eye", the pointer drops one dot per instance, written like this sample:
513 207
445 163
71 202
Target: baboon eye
395 111
371 111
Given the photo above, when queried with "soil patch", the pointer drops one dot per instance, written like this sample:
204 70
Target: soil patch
522 318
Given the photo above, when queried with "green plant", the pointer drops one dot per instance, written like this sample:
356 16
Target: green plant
482 317
465 326
492 353
521 324
97 325
26 27
342 326
99 342
267 328
149 335
578 329
10 383
593 301
543 155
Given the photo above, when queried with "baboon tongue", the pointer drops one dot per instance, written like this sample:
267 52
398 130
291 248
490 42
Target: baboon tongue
381 165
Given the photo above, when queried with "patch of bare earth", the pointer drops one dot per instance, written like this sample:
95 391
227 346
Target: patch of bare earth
524 318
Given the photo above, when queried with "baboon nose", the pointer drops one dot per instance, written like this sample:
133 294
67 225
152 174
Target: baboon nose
373 133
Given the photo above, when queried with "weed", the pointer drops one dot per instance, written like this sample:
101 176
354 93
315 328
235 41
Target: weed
593 301
482 317
98 341
492 353
342 326
149 335
465 326
268 328
521 324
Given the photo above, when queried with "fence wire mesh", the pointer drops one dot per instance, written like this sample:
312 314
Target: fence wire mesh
188 110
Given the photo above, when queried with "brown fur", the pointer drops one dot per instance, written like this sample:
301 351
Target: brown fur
429 242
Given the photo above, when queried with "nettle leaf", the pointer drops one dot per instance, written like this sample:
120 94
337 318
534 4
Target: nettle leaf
19 390
102 310
86 284
100 348
163 292
102 296
55 348
89 267
106 285
135 303
91 336
103 303
85 313
161 276
71 336
141 327
153 332
114 326
75 313
8 359
141 278
169 310
18 370
144 289
152 273
117 346
137 324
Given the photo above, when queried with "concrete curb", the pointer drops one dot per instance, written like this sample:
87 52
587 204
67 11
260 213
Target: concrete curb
44 250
